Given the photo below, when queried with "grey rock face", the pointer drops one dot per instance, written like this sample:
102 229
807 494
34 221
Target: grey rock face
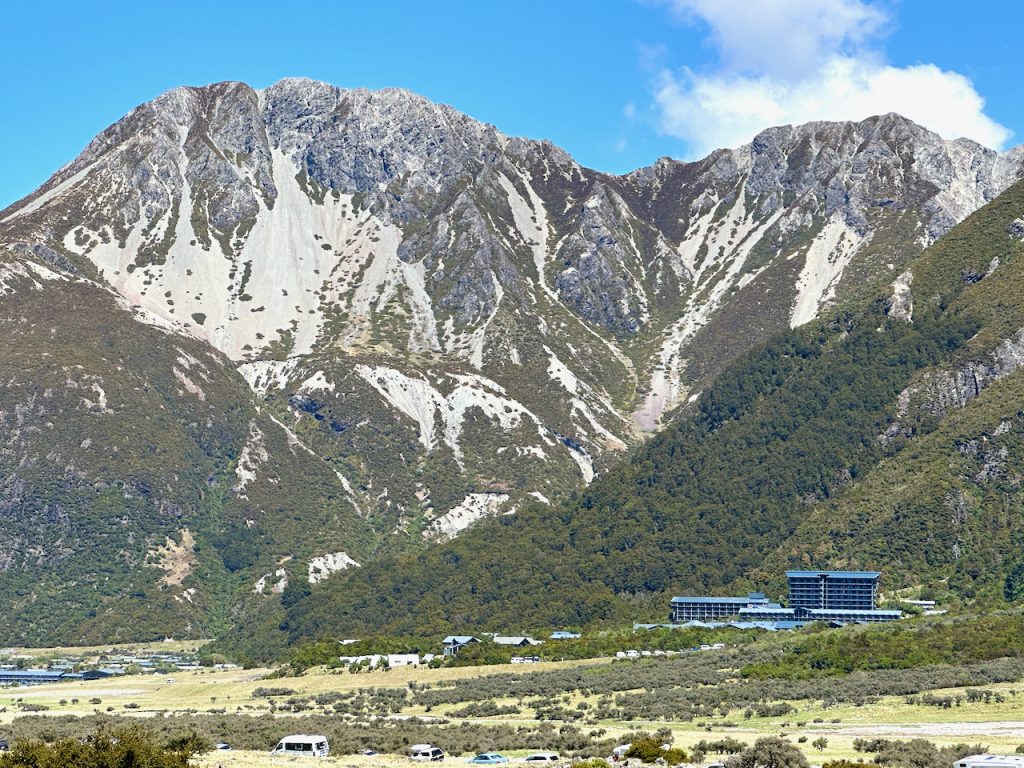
361 141
596 279
305 230
940 392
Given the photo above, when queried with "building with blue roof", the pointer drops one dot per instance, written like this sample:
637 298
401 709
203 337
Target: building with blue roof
32 676
691 608
847 616
835 597
455 643
838 590
771 612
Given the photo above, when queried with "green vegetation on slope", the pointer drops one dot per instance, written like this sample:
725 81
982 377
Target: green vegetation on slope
124 516
948 508
790 426
958 642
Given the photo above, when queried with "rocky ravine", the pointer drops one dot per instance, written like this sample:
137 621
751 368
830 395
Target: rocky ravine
449 321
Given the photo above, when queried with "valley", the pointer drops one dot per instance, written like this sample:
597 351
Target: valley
512 384
562 706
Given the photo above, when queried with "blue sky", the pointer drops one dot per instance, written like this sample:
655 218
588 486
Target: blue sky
618 83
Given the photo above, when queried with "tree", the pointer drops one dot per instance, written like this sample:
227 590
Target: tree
769 752
1013 587
820 743
649 749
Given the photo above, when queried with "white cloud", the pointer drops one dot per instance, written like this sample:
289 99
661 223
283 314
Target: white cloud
794 61
726 111
783 37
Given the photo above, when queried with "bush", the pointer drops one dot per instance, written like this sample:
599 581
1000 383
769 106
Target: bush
649 749
266 693
770 752
916 753
131 746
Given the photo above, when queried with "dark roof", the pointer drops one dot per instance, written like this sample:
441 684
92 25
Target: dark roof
850 612
768 609
729 600
839 574
461 639
41 673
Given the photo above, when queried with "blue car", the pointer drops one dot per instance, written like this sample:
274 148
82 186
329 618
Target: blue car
488 758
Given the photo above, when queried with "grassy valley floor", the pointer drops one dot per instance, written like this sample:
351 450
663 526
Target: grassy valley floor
220 703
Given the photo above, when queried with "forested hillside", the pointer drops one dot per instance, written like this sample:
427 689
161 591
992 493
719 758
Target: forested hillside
949 504
801 452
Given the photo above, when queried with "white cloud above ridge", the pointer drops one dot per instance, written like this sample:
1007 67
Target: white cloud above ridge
782 37
796 61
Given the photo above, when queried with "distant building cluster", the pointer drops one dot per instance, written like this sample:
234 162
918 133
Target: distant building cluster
81 668
452 644
834 597
375 660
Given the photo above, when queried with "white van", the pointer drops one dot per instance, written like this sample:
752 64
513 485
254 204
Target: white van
302 744
426 753
990 761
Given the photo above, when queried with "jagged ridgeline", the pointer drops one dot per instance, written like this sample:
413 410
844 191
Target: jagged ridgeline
256 338
885 435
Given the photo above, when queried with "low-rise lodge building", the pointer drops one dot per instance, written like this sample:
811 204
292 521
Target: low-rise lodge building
687 608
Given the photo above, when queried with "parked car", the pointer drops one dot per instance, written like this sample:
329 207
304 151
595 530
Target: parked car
368 752
426 753
542 758
302 744
488 758
222 746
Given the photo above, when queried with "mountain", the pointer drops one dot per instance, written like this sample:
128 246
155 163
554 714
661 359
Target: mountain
305 328
886 435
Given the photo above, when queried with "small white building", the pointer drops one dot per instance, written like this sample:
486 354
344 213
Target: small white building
403 659
373 659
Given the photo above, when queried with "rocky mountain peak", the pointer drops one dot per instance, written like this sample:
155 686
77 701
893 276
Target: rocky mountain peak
377 264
